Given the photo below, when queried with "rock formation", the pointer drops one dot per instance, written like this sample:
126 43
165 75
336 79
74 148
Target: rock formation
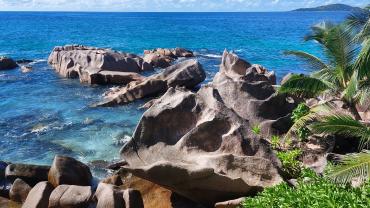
66 170
7 63
188 73
200 145
96 65
163 57
31 174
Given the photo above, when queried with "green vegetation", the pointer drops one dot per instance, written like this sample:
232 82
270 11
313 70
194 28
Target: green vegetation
290 162
275 142
256 129
301 111
344 74
315 192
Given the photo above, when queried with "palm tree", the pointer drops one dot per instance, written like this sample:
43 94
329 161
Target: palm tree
359 22
344 74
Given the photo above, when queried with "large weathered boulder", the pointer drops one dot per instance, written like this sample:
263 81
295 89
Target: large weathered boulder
109 196
187 73
66 170
163 57
19 191
200 145
65 196
39 195
87 63
32 174
7 63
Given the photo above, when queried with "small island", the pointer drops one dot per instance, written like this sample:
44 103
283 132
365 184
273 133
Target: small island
330 7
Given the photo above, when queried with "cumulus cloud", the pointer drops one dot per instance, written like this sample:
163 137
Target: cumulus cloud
166 5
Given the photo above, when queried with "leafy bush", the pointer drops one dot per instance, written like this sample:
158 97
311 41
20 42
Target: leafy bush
275 142
316 193
289 160
256 129
301 111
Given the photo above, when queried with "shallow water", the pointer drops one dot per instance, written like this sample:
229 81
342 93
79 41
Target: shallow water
42 114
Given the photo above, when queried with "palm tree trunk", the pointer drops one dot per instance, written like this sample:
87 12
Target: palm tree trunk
354 112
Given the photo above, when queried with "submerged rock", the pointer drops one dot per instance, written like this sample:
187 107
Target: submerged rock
7 63
26 69
66 170
200 145
163 57
187 73
88 63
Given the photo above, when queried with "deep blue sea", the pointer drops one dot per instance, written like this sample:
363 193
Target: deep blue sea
42 114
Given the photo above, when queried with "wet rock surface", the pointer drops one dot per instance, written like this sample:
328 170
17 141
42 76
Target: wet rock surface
7 63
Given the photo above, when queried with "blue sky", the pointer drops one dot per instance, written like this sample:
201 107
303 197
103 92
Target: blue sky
166 5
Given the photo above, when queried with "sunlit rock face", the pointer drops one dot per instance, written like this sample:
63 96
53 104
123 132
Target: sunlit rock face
88 63
200 144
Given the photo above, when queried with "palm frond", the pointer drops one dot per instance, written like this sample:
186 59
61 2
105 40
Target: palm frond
341 51
350 92
313 61
362 63
319 32
303 86
314 114
359 22
341 124
353 167
363 94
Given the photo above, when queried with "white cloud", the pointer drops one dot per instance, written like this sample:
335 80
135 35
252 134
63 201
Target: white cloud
166 5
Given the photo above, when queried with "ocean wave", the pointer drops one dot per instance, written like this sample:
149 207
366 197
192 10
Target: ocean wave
210 55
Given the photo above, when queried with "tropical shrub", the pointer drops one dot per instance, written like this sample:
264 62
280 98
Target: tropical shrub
290 162
314 193
256 129
301 111
275 142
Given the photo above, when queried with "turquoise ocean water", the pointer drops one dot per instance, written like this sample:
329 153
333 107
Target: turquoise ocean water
42 114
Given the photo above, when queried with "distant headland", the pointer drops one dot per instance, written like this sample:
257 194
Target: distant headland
330 7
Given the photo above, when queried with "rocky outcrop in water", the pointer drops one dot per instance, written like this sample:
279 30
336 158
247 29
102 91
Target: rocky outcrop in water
163 57
96 65
187 74
7 63
200 145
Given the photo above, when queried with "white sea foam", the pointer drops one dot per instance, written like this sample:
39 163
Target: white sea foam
210 55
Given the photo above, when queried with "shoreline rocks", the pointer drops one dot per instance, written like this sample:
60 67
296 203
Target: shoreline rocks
76 61
185 74
163 57
7 63
200 144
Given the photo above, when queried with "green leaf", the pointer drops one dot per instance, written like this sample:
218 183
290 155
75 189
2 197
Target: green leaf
303 86
355 166
342 125
310 59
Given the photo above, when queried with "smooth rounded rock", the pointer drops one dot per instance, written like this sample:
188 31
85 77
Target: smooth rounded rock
39 195
32 174
65 196
69 171
19 191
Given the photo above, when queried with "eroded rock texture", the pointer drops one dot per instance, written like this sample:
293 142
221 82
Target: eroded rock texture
200 145
186 74
96 65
